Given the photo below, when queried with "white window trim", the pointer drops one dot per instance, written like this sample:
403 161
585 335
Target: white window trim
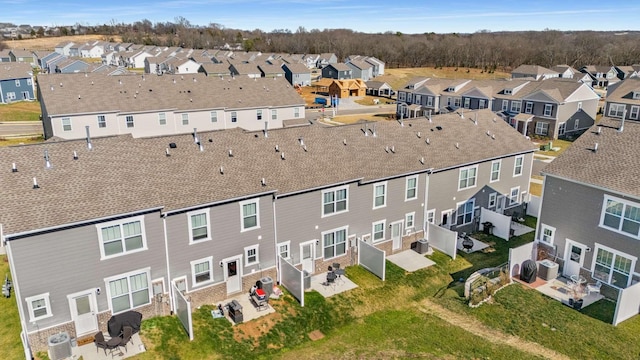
100 226
462 203
413 222
246 255
603 212
185 118
493 195
510 197
47 302
386 191
384 231
513 106
335 190
288 245
406 191
128 276
247 202
550 112
635 111
66 119
544 227
104 117
274 114
505 105
430 213
213 116
528 108
515 165
346 240
162 119
617 112
633 259
126 122
499 162
208 259
541 129
198 212
475 177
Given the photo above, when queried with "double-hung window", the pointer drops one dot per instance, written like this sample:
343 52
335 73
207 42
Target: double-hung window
467 177
335 201
102 121
431 216
274 114
409 220
505 105
251 255
515 106
467 102
129 291
517 167
633 114
616 110
199 228
492 200
258 114
185 119
495 171
542 128
528 108
412 188
249 214
465 212
17 82
513 195
129 121
548 110
378 231
621 216
66 124
334 243
296 112
547 234
39 307
202 271
234 116
214 116
121 237
162 118
429 101
613 267
379 195
284 250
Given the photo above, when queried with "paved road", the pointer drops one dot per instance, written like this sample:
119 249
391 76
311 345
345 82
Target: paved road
20 128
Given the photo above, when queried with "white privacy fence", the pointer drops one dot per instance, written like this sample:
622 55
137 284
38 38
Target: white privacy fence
372 259
183 311
442 239
501 223
292 279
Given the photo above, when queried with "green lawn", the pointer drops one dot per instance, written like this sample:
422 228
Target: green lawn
20 111
562 144
10 342
20 141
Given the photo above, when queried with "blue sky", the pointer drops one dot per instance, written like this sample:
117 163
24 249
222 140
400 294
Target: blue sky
463 16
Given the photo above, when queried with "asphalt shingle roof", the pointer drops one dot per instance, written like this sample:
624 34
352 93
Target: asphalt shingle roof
613 166
15 70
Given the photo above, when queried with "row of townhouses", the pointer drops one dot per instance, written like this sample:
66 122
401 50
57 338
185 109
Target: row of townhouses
151 105
551 108
113 221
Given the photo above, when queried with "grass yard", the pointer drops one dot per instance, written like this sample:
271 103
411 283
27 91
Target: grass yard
10 342
50 42
396 78
535 189
20 141
20 111
562 144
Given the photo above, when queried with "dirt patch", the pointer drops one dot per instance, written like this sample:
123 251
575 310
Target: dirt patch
50 42
315 335
256 328
497 337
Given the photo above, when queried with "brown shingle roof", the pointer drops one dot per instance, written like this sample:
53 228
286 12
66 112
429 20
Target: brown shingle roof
135 93
613 166
123 174
15 70
623 91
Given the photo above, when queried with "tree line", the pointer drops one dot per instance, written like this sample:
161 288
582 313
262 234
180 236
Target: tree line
483 49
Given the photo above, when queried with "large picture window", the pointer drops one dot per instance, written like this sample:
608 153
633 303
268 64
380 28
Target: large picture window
334 243
621 216
616 110
335 201
129 291
121 237
465 212
613 267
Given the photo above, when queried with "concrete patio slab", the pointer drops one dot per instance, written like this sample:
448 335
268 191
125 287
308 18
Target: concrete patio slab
410 260
342 284
477 245
249 310
562 290
520 229
90 352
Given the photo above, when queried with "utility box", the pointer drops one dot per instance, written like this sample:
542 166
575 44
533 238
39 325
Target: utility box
422 246
267 285
59 346
547 270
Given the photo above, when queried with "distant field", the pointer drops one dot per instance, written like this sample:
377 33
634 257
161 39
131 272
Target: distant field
50 42
20 111
398 77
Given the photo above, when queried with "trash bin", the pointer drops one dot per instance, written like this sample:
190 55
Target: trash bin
267 285
307 279
60 346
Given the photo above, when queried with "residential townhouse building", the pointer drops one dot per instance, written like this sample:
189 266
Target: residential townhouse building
25 56
338 71
297 74
550 108
601 76
138 225
151 105
16 82
361 69
623 99
589 219
534 72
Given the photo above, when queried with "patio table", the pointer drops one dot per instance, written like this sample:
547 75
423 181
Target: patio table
578 283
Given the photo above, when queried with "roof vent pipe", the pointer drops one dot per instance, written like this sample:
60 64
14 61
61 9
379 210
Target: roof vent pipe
89 145
624 115
422 160
366 130
475 119
263 182
344 141
75 155
230 153
282 156
374 131
47 161
35 184
221 170
419 135
599 130
301 140
166 152
200 147
266 129
595 147
14 168
429 115
195 135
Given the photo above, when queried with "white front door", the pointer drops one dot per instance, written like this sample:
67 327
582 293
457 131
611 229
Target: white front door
232 274
396 234
573 258
83 311
500 204
307 255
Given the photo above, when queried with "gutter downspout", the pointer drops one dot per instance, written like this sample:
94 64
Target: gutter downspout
275 239
16 291
166 254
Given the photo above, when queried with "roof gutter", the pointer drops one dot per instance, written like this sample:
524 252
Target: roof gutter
428 171
78 223
591 185
201 206
318 188
483 160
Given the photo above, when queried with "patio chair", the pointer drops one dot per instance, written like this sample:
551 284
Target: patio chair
594 288
101 343
127 333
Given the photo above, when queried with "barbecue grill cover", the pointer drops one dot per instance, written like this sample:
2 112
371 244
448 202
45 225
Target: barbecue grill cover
529 271
129 318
